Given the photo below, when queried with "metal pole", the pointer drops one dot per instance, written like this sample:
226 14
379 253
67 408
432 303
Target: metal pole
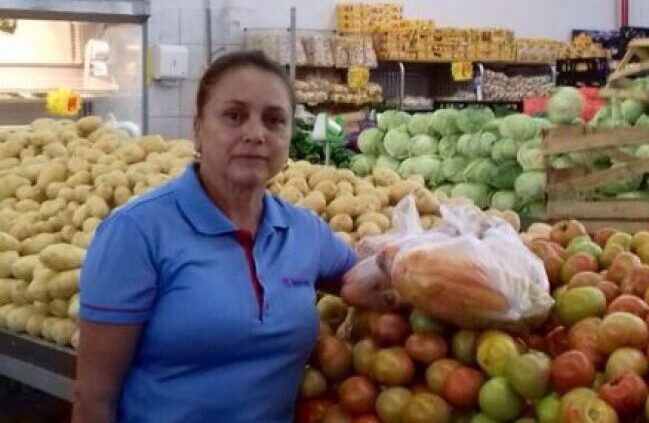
145 77
208 32
402 84
293 43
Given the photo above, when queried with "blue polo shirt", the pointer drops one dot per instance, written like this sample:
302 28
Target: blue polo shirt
229 321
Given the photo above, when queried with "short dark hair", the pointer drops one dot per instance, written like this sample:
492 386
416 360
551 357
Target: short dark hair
219 67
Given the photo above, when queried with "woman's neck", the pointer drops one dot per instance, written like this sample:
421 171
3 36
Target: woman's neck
242 205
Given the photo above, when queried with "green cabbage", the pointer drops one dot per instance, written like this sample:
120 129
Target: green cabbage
643 121
535 211
505 200
447 147
429 167
530 186
633 195
419 124
602 115
632 109
397 143
561 161
453 168
564 106
406 168
480 171
616 118
543 123
504 149
478 193
530 156
362 164
391 119
472 119
593 159
463 144
506 174
519 127
487 141
493 127
369 141
421 145
445 189
384 161
642 151
469 145
444 122
619 186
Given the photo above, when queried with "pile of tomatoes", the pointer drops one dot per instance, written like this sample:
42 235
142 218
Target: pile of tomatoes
587 363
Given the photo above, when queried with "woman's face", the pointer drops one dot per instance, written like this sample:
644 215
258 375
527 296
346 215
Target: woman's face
244 132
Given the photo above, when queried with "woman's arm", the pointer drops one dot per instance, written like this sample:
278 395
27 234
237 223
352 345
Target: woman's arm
104 355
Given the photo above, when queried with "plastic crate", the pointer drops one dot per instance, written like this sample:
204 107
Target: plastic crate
610 40
628 33
578 72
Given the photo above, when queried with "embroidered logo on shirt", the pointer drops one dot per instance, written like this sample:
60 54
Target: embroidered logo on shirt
295 281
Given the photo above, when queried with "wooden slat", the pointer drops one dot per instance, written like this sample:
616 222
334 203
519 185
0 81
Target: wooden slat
573 139
608 209
623 93
621 172
630 70
639 42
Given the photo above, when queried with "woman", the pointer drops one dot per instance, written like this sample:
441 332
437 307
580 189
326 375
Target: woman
197 299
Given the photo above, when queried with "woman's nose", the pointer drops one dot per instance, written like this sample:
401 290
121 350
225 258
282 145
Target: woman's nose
254 130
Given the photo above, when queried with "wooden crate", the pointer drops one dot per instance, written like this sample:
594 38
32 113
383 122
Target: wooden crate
567 188
634 63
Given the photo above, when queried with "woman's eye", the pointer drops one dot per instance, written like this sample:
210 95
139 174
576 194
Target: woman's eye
276 121
233 116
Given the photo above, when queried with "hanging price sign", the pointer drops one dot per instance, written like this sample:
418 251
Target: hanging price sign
462 71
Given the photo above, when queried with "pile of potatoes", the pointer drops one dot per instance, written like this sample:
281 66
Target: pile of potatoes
58 179
358 207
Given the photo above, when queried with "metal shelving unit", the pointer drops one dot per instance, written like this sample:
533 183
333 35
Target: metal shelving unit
39 364
432 79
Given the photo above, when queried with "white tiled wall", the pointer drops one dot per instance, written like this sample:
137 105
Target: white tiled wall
171 107
175 22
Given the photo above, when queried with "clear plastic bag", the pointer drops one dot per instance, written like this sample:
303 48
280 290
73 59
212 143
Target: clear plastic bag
472 270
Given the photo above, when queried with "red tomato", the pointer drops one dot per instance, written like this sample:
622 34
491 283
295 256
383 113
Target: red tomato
570 370
626 393
462 386
630 304
311 410
337 414
370 418
358 395
389 329
557 341
426 347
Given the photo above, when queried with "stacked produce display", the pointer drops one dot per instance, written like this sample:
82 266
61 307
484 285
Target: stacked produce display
58 180
616 113
585 363
469 153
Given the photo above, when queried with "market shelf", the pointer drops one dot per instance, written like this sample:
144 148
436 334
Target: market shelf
486 62
37 363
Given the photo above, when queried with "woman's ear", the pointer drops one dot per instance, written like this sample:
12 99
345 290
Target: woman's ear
197 128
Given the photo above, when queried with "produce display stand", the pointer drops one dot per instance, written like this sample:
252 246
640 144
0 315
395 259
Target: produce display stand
635 61
38 364
566 187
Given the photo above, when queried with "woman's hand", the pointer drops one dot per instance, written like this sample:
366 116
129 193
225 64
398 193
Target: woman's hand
104 355
368 286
